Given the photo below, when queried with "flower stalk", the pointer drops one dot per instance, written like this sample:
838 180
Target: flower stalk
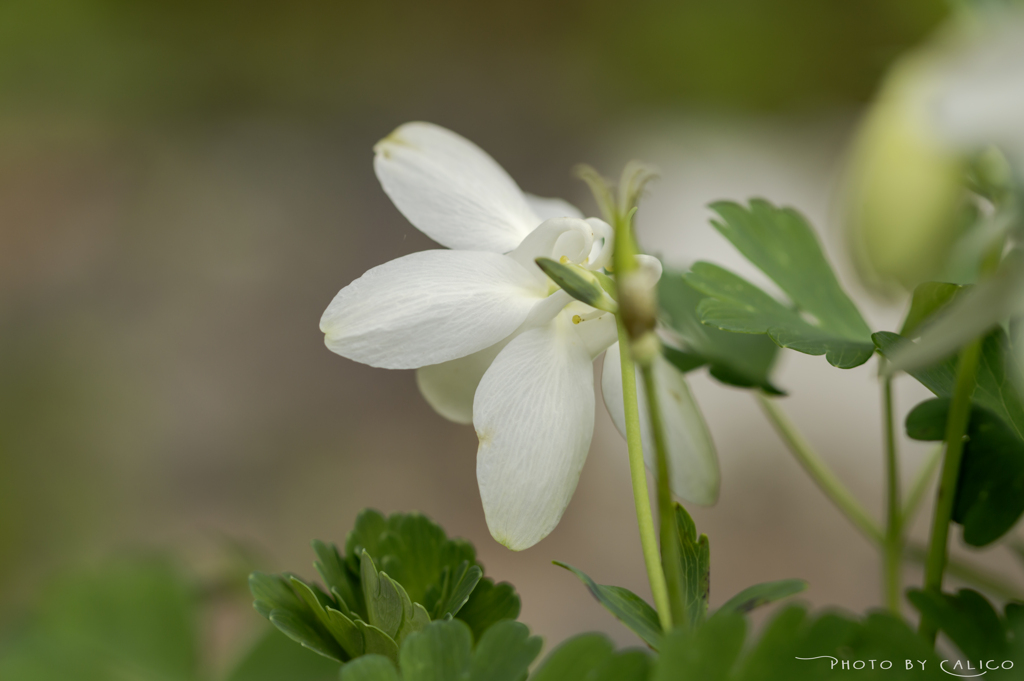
956 430
892 550
638 476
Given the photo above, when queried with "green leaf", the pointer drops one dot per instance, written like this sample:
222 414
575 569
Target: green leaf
741 360
580 283
504 653
368 668
308 632
384 602
627 607
929 298
734 304
823 319
783 246
409 547
344 585
630 665
340 627
695 557
275 657
489 604
376 642
441 652
455 589
707 653
967 618
990 492
367 535
762 594
575 659
994 389
273 592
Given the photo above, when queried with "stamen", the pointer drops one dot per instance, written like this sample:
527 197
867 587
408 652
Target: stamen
564 259
589 316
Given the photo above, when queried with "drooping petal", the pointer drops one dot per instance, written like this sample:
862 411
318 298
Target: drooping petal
546 208
693 464
429 307
534 415
451 190
449 387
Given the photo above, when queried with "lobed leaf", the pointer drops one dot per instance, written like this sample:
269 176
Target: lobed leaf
990 492
994 388
967 618
822 320
741 360
695 557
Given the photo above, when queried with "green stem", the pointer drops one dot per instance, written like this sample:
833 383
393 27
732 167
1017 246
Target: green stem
638 474
893 548
920 485
819 472
670 556
970 574
915 552
956 429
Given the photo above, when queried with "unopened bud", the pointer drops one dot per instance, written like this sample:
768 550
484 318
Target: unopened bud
638 303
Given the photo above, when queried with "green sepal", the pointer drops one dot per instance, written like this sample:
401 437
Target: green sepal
578 282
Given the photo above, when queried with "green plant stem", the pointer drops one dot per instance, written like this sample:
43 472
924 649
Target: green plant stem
969 574
892 550
956 429
670 556
819 472
920 485
913 551
638 474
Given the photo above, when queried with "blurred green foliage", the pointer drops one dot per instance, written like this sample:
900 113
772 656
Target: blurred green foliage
171 59
140 619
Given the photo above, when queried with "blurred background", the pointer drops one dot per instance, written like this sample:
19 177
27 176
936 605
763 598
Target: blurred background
185 186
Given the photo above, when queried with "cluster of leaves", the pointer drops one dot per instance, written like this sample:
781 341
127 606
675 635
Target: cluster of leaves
990 493
708 304
709 647
137 618
973 624
694 569
397 575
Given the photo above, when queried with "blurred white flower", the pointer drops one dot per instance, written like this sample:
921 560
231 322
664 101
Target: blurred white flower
495 341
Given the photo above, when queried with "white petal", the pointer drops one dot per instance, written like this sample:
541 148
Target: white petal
449 387
552 208
429 307
557 238
693 465
597 330
534 415
451 190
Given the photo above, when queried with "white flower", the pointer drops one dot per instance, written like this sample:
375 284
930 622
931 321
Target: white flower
495 342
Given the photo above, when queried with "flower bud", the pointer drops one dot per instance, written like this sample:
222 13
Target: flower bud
904 186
